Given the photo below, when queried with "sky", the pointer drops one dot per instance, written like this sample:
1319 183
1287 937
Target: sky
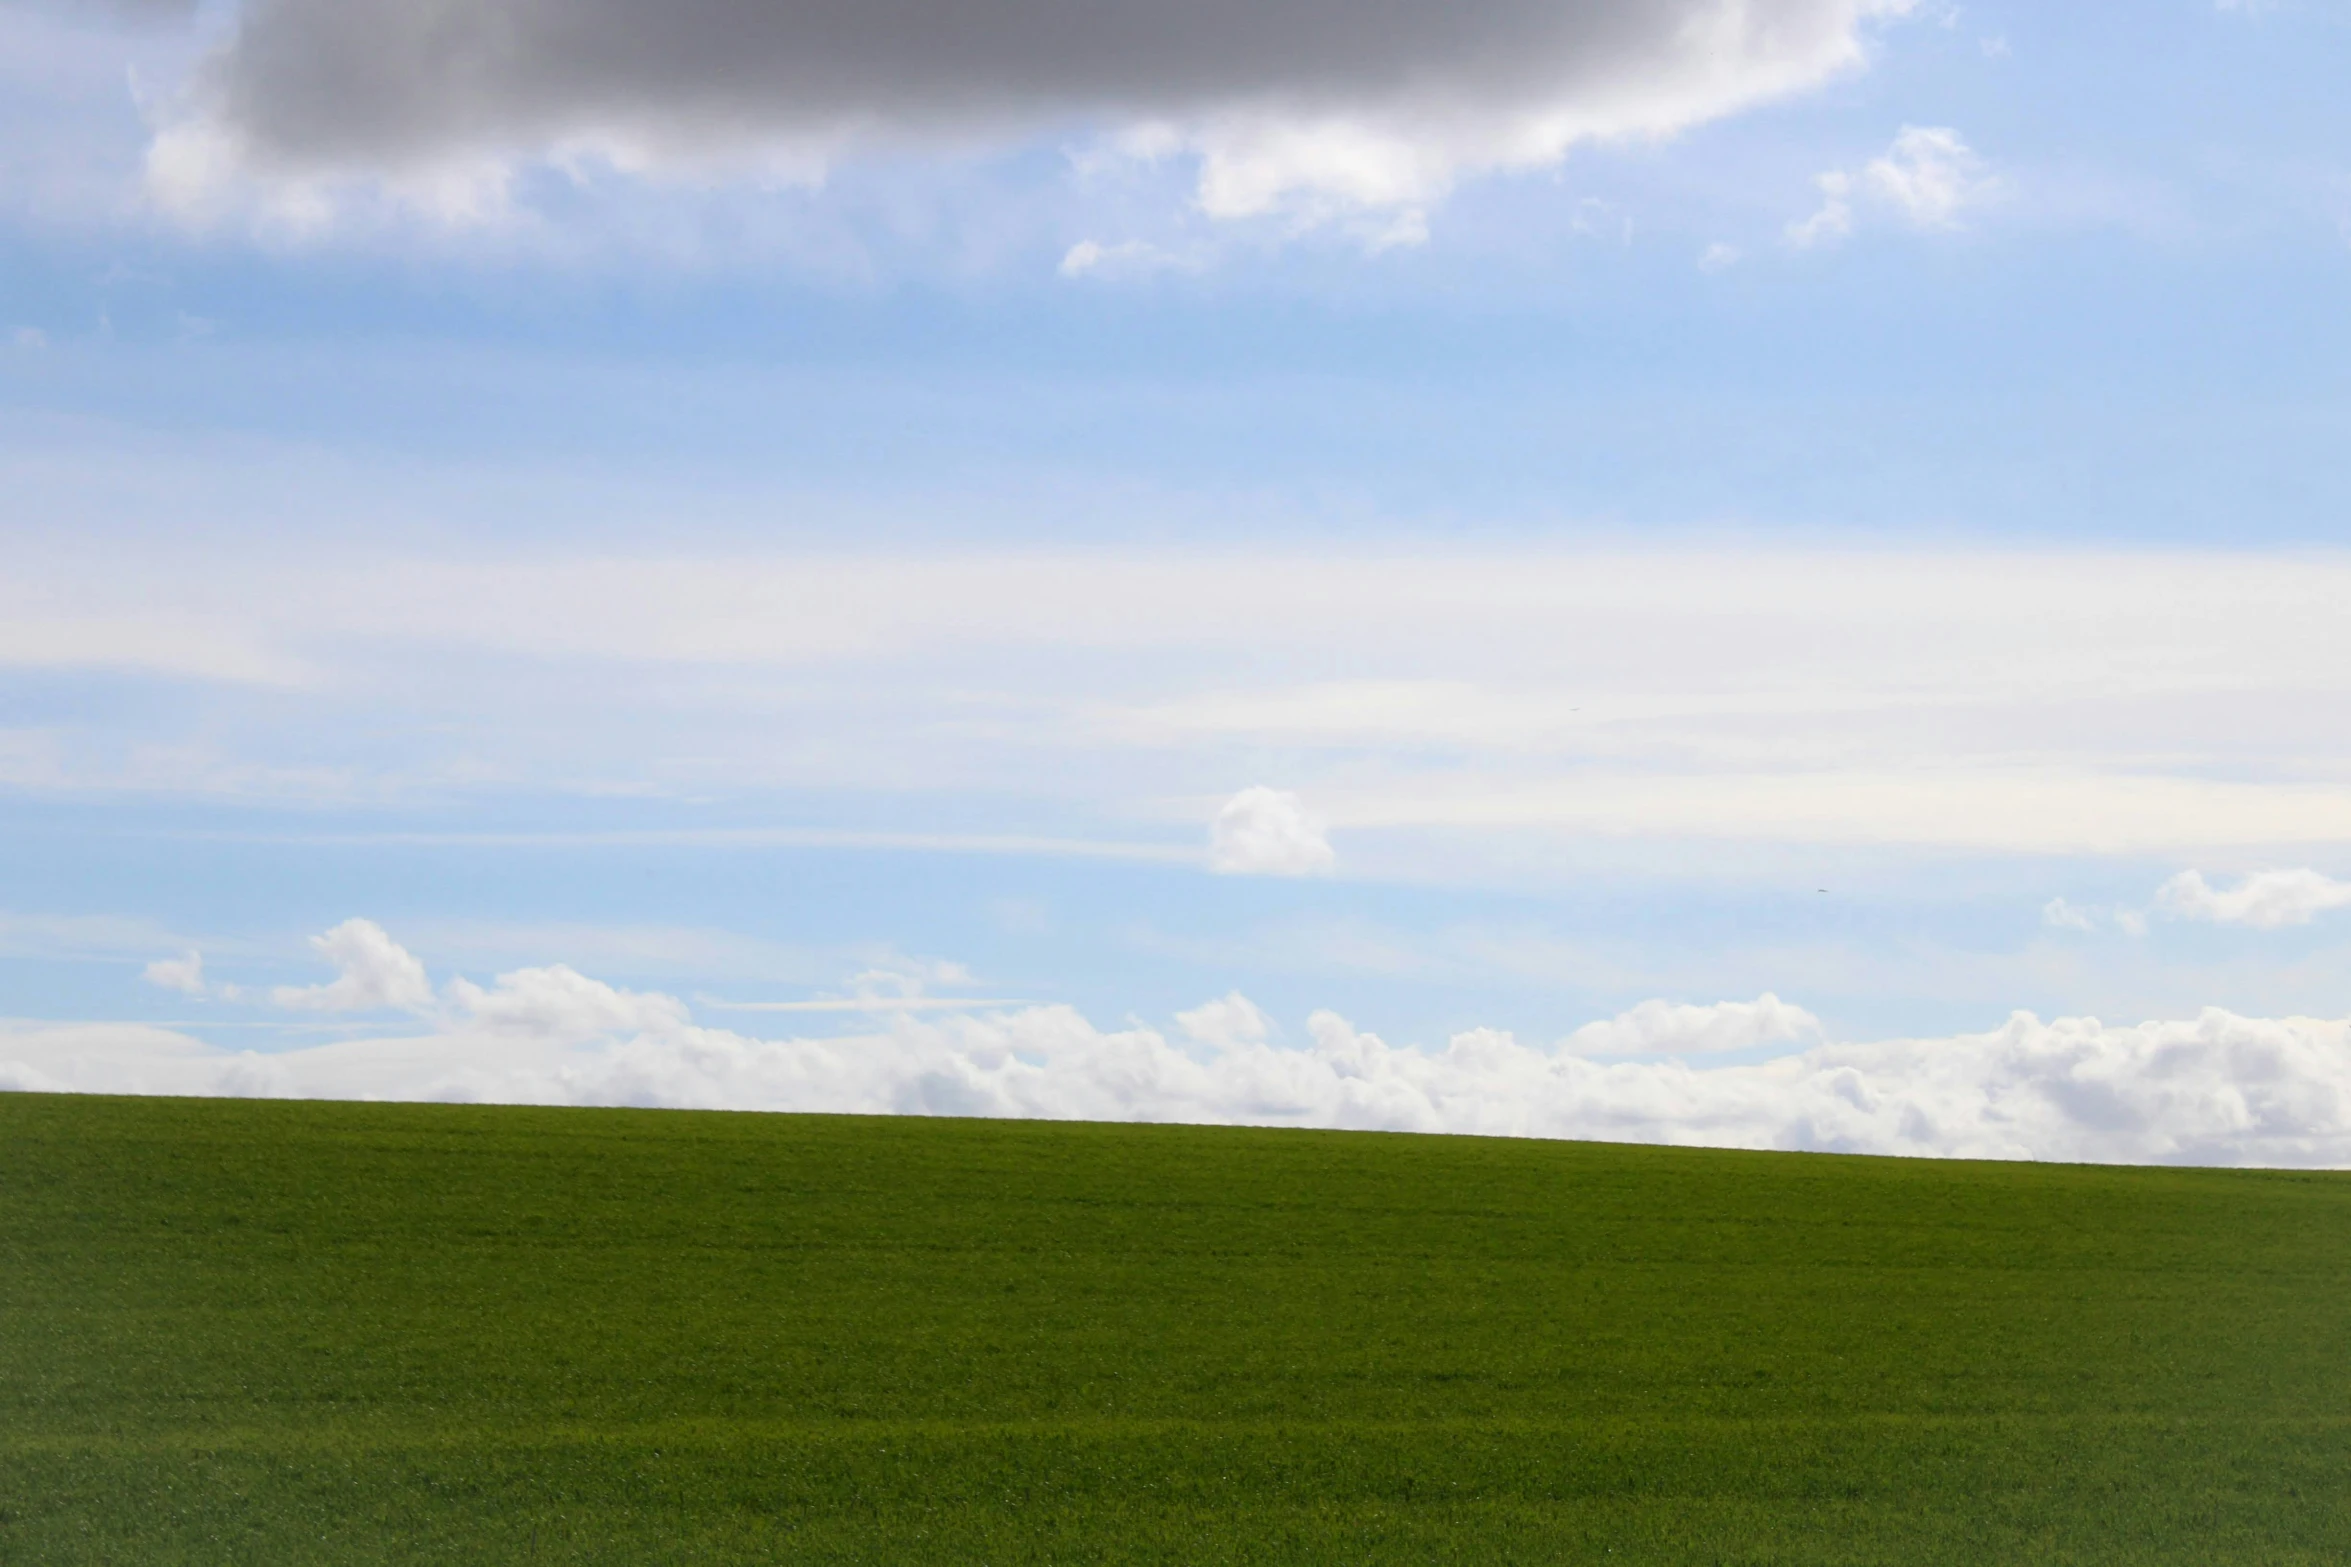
1756 573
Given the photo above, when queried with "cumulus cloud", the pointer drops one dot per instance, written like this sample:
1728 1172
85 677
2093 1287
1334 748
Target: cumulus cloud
1927 177
1670 1028
2215 1089
2265 900
1224 1024
1296 106
2058 914
183 974
559 1003
1268 832
372 971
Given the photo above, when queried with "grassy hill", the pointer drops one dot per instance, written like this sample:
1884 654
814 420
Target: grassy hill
272 1332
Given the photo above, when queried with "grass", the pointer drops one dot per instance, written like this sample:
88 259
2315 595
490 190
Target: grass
275 1332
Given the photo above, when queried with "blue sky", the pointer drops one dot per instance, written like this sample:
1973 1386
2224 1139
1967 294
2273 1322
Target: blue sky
1859 526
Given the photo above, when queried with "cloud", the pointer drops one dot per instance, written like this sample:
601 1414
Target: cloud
559 1003
1225 1024
1268 832
2172 704
1834 220
1302 107
52 937
166 643
1671 1028
2214 1089
1128 259
1927 177
1718 257
371 971
184 974
2061 915
2265 900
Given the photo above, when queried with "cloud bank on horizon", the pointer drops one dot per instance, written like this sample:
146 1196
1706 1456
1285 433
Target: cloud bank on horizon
2216 1089
1300 108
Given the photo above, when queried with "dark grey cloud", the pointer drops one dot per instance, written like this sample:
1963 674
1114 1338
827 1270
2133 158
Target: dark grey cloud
308 85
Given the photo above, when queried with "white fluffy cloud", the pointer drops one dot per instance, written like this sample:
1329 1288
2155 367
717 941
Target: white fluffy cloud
1233 1020
1294 106
559 1003
1671 1028
183 974
2265 900
372 971
1927 177
2215 1089
1268 832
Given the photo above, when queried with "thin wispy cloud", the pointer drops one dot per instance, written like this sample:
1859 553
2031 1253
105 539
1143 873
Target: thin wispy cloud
1780 695
1132 258
1929 178
2059 914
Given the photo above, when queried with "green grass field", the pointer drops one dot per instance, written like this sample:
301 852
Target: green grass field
270 1332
